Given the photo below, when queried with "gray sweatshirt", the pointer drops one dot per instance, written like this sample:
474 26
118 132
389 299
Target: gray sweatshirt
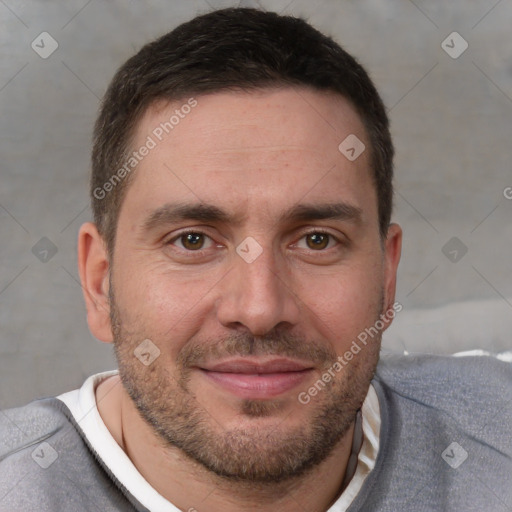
445 445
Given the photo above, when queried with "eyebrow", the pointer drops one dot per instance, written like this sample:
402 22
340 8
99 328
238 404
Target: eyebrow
172 213
328 211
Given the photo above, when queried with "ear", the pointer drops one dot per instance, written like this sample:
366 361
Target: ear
94 268
392 252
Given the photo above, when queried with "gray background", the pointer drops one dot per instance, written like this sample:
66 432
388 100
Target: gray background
451 121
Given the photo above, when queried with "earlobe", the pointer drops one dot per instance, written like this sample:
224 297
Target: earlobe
94 269
393 250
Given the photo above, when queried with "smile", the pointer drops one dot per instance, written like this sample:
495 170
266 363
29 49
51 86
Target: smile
254 379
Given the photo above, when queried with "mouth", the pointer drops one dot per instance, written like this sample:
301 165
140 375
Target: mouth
252 378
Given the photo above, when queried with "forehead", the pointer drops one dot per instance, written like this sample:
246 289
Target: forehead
270 146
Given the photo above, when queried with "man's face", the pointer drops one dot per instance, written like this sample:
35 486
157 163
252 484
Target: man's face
248 252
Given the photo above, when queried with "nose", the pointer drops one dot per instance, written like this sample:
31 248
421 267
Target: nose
258 296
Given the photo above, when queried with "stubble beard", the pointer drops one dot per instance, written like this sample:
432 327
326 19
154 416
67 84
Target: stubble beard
248 454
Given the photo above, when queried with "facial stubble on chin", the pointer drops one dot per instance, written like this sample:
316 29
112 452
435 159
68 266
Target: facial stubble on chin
249 454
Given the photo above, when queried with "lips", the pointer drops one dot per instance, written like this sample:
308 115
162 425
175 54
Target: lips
249 366
257 378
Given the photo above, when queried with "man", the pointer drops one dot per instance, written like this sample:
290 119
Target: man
243 264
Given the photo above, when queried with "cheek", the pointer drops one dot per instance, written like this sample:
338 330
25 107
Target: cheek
162 305
341 306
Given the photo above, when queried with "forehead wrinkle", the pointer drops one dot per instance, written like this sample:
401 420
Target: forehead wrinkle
269 147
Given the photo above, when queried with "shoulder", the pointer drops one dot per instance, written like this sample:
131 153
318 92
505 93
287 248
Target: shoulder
445 436
46 464
439 378
22 428
30 436
447 396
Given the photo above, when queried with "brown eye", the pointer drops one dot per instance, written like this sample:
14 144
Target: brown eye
192 241
317 241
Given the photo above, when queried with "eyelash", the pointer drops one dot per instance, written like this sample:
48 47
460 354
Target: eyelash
322 232
185 233
201 251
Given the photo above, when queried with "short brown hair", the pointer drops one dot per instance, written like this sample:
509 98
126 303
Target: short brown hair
230 49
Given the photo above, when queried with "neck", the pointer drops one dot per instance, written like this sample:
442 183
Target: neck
190 486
